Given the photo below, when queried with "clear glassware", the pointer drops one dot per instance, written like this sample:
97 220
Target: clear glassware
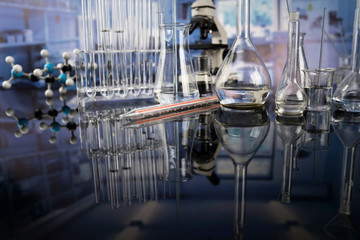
347 95
241 133
204 80
290 129
243 80
319 89
342 70
175 79
302 62
303 65
290 97
346 126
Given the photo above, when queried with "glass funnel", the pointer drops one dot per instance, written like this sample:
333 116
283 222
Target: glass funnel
290 97
289 129
347 95
243 80
175 80
241 133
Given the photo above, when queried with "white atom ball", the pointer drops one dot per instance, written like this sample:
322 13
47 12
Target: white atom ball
9 60
44 53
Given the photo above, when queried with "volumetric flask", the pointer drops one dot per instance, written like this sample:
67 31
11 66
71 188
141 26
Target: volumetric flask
175 78
243 80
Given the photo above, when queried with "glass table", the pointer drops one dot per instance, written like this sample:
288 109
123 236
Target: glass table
170 177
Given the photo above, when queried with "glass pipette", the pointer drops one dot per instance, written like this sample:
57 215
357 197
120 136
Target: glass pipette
167 108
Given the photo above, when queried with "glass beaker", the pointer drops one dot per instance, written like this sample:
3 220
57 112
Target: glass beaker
204 80
243 80
290 97
347 95
319 88
175 79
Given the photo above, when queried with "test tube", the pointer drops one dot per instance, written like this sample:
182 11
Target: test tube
103 12
118 41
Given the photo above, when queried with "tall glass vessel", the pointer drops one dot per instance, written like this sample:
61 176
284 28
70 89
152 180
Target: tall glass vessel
290 97
175 79
347 95
243 80
302 60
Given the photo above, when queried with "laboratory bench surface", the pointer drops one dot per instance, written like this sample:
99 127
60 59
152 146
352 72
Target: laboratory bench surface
170 178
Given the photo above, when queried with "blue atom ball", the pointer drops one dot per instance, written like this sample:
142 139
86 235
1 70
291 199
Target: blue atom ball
62 77
22 122
66 110
49 67
55 127
16 74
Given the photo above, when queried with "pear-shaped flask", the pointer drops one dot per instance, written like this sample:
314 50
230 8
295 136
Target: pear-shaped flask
243 80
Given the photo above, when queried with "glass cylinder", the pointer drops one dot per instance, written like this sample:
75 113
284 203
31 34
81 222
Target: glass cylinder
290 97
243 80
175 79
347 95
204 80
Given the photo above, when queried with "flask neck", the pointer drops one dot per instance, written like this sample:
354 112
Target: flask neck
355 52
293 50
243 18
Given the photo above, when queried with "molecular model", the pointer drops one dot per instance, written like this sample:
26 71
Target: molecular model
64 78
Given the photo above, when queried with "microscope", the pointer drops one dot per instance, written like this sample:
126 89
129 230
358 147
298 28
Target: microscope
203 17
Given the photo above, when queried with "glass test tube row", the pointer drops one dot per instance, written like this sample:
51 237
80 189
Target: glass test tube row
121 46
127 163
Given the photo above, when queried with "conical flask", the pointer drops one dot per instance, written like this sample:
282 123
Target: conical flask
347 95
243 80
290 97
302 62
175 79
303 65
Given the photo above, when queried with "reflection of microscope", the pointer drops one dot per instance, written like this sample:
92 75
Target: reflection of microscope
203 17
205 148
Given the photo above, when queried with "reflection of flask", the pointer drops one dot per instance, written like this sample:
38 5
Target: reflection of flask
289 130
175 79
241 133
290 96
347 95
243 80
203 76
346 127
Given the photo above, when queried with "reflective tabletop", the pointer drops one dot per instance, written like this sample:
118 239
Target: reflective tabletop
205 173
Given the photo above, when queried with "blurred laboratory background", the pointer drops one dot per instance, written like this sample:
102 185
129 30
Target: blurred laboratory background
27 26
